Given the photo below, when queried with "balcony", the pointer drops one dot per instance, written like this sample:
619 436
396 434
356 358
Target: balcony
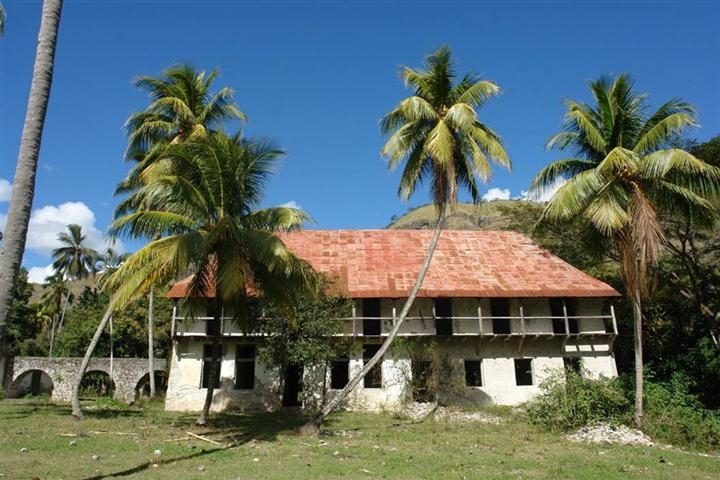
521 327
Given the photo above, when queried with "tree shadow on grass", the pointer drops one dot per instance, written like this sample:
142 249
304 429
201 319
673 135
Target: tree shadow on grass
237 429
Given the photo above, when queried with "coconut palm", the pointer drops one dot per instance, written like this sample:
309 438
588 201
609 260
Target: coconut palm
2 20
107 263
23 190
73 259
56 290
436 133
183 108
207 228
623 181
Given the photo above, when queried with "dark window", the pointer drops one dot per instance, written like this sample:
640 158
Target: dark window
443 314
573 364
371 308
558 314
422 381
523 371
207 365
212 326
373 379
245 367
339 373
500 307
473 373
570 305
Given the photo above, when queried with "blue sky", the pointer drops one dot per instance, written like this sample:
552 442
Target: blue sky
317 76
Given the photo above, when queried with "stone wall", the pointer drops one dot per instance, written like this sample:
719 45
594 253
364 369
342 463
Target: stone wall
126 374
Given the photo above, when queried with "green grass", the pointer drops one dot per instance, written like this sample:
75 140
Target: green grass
362 446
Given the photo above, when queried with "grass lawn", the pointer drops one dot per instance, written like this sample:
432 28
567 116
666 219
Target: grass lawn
264 446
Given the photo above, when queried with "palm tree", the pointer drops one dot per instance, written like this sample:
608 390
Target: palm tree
24 181
183 108
55 291
623 181
207 228
107 264
436 133
73 260
2 20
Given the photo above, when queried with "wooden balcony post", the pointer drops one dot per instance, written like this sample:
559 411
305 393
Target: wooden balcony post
222 321
567 326
480 320
522 326
354 328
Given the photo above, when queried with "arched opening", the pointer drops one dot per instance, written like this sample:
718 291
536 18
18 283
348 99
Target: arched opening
33 383
96 384
142 389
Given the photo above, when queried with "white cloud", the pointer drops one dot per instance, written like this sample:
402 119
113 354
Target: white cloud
497 194
46 222
546 193
5 190
291 204
39 274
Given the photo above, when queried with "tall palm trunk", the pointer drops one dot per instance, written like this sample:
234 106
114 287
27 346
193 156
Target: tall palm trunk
24 181
312 427
214 366
64 308
151 341
52 334
75 400
637 326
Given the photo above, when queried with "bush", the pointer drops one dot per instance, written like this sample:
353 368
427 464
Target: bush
569 401
674 415
2 393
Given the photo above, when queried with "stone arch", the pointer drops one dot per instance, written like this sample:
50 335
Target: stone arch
31 381
97 382
127 373
142 387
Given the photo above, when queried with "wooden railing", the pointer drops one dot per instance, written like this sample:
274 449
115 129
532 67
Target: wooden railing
525 326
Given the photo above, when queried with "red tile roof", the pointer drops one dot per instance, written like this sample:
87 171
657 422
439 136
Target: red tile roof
385 263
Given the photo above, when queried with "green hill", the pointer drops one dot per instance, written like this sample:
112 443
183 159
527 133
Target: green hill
518 215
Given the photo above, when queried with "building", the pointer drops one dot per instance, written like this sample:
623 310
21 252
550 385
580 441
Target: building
501 311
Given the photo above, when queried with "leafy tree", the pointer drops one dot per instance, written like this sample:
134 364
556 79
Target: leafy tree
130 334
436 133
623 181
302 331
23 191
73 259
208 228
24 328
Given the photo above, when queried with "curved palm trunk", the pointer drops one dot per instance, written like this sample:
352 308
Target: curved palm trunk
637 327
312 427
75 400
214 366
151 341
24 181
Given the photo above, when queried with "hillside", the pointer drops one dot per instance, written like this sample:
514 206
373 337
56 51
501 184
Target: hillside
516 215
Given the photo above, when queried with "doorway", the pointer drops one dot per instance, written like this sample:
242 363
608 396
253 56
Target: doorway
292 386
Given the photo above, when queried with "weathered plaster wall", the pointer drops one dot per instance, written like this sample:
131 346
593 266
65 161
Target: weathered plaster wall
497 355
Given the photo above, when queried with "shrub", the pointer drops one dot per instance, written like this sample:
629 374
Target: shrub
672 414
569 401
676 416
2 393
